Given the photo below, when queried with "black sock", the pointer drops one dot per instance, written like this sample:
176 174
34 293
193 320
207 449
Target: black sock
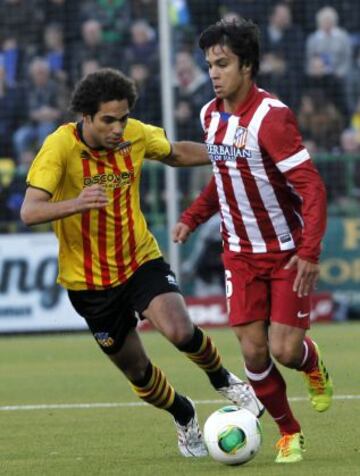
181 409
218 378
194 344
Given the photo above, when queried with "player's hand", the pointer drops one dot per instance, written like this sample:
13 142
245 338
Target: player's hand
306 276
180 232
92 197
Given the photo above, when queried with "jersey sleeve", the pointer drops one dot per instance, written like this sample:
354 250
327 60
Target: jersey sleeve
308 184
203 207
281 140
157 145
48 167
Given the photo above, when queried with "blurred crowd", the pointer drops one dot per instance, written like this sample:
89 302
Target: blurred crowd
310 60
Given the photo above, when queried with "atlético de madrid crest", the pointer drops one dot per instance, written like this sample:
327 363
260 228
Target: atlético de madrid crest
240 137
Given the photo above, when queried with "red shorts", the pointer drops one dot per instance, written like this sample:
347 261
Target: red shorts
259 288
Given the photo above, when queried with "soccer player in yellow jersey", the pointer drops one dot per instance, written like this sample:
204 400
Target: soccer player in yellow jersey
85 179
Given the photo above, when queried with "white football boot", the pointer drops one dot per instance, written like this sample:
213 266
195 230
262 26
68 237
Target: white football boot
190 439
242 395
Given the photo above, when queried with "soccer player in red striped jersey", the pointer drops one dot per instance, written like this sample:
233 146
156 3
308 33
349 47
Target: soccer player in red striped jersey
85 179
272 203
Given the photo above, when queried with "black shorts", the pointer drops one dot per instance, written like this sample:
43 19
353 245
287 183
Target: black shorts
111 313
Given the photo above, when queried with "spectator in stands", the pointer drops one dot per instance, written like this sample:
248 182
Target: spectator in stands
280 35
90 46
353 81
12 192
11 112
13 59
148 105
281 64
45 105
330 42
190 81
204 265
319 79
355 119
348 11
7 174
344 174
143 46
320 120
350 145
145 9
21 19
192 90
184 118
64 13
113 15
230 16
349 142
203 13
255 10
89 66
322 124
53 50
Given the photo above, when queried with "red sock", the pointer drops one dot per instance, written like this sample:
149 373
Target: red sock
310 357
270 388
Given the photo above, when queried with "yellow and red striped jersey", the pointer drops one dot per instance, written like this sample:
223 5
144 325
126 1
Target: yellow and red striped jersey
99 248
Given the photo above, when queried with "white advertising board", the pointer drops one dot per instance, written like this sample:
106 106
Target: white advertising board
30 299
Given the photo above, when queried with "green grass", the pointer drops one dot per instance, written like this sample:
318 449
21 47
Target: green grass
140 440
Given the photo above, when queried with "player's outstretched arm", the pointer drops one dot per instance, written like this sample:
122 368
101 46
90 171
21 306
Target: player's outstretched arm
200 211
180 232
187 154
37 207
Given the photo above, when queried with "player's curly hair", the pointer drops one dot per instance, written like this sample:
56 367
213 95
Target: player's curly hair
241 36
104 85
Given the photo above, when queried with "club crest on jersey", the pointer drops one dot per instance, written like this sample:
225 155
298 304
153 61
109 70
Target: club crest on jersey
240 137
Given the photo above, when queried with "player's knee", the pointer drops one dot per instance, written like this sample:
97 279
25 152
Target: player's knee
180 335
285 355
255 356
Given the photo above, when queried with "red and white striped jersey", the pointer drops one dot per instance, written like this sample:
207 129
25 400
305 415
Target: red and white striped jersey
254 152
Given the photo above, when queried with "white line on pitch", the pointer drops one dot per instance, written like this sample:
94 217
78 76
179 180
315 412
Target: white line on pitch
73 406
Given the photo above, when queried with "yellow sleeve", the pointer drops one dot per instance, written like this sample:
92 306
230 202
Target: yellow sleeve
157 145
48 167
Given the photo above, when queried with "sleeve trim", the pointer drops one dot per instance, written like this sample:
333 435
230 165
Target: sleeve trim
293 161
38 188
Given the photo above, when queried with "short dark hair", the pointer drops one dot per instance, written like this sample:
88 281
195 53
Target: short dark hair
104 85
241 36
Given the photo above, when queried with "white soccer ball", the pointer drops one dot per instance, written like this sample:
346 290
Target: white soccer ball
232 435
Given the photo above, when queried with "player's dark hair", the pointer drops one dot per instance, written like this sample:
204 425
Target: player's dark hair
104 85
241 36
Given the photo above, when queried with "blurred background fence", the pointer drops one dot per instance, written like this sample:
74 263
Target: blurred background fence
310 59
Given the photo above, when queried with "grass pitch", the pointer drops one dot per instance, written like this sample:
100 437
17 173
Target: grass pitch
57 417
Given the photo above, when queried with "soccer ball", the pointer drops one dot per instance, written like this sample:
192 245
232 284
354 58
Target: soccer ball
232 435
